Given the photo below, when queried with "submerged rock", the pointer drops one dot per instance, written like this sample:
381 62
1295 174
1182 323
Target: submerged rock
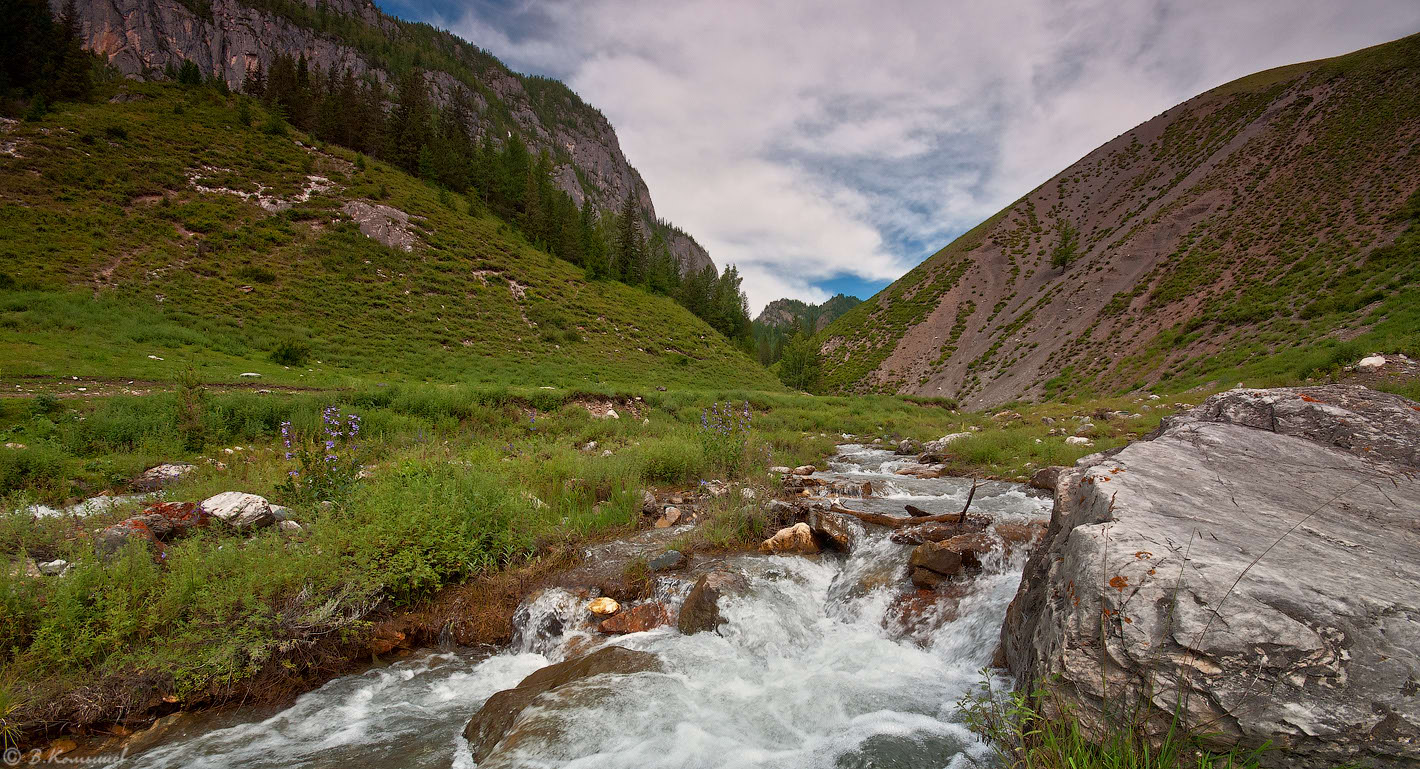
701 610
496 718
836 529
1252 561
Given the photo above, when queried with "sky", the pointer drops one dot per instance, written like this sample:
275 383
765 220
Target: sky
825 146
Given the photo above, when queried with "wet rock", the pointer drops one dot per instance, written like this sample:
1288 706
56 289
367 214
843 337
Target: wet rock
936 451
919 470
1014 535
1045 477
701 610
1293 512
603 607
836 529
496 718
162 476
918 614
793 539
939 532
637 619
240 510
671 559
949 557
908 447
386 639
804 470
781 510
649 505
150 737
926 579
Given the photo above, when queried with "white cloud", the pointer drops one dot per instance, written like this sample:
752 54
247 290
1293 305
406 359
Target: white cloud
802 140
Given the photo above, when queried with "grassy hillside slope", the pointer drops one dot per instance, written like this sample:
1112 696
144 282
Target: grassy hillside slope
113 258
1267 229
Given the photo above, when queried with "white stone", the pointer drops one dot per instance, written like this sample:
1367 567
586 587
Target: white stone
240 509
1371 362
1076 440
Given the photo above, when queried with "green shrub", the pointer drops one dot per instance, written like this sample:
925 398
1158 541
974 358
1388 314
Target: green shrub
38 467
290 352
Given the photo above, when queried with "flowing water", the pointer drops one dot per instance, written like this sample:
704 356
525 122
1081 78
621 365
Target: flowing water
819 665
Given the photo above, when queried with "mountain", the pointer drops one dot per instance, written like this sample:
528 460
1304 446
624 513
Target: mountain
168 225
794 314
232 39
781 319
1270 222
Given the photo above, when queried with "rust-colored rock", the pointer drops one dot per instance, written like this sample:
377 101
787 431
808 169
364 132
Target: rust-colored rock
386 639
637 619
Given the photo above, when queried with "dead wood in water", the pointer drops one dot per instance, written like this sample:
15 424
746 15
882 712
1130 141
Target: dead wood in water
918 515
894 522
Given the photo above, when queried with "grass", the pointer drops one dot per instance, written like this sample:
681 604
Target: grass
1024 737
465 481
115 265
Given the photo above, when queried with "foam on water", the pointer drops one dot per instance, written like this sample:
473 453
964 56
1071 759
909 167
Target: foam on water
810 670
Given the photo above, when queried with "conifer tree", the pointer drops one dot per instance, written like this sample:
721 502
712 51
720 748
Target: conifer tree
254 84
73 67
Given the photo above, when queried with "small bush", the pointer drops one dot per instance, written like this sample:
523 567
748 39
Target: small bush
256 274
45 405
290 352
39 467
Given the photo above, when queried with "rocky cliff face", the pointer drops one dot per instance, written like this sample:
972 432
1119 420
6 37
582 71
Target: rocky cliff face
1251 566
786 313
1244 221
228 38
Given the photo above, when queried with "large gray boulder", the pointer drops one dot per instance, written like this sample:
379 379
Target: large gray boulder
1255 565
498 717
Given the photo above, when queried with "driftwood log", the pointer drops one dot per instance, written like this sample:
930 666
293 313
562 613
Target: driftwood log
918 515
